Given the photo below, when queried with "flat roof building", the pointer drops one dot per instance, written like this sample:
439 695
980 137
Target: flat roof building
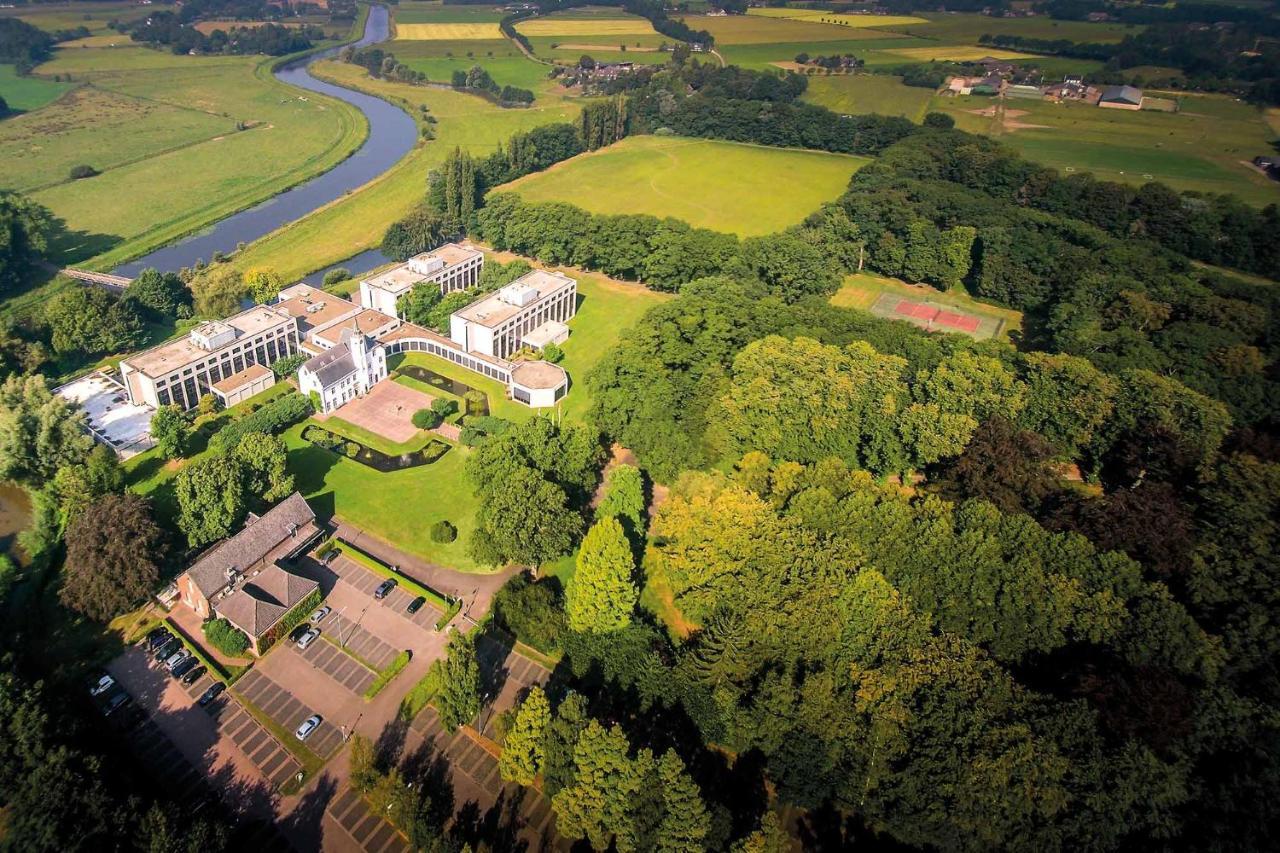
180 372
497 324
450 267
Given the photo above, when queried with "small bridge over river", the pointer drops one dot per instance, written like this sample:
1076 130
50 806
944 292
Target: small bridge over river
102 279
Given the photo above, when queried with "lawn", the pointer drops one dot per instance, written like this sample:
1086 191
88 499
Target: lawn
346 429
499 405
1206 147
24 94
162 130
357 221
868 93
724 186
398 506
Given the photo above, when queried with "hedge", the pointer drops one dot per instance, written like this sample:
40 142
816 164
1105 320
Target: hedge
271 419
291 620
384 678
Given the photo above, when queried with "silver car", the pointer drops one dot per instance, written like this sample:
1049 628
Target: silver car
308 638
171 662
309 725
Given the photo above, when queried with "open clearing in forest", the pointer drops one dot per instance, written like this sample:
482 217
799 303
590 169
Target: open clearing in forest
747 190
870 292
447 32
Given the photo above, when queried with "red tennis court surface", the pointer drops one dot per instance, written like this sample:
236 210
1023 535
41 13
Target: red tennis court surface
932 315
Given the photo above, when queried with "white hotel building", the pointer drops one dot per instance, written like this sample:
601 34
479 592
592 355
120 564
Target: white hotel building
450 267
221 357
530 311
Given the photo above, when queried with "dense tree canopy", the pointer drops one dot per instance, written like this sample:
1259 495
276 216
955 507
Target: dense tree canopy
114 554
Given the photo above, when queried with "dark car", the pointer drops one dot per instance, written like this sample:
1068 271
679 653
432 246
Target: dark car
183 668
416 604
115 702
383 588
157 637
194 673
212 693
166 651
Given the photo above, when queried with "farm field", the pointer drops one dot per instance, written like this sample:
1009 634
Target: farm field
162 130
958 53
967 29
874 52
477 31
23 94
357 221
850 94
594 26
92 16
845 19
418 12
1205 147
568 50
724 186
747 29
501 58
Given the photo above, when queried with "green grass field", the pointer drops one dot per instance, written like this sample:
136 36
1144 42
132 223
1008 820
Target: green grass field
1206 147
967 29
868 93
93 16
749 29
567 51
726 186
417 12
357 221
874 52
162 131
24 94
506 64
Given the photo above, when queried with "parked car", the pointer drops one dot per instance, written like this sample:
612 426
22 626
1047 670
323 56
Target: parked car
157 637
194 673
211 693
320 614
171 662
115 702
101 684
383 588
164 652
309 725
184 667
308 637
416 604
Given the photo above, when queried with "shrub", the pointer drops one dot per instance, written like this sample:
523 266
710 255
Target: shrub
443 407
336 275
225 637
288 365
552 353
384 678
443 532
78 172
533 612
351 449
426 419
272 418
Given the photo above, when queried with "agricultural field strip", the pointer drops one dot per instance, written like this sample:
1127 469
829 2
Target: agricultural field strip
593 27
448 32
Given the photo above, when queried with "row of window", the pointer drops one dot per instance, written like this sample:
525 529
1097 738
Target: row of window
472 364
187 392
558 308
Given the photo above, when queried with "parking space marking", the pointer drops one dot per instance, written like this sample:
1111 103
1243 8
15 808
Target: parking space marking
285 709
360 641
369 831
397 600
339 666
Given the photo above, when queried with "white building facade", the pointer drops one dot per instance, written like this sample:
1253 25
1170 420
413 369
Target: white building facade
497 324
344 372
451 267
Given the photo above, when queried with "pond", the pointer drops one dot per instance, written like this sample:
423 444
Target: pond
15 515
392 134
376 459
444 383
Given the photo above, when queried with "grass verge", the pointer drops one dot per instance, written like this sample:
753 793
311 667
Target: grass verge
387 675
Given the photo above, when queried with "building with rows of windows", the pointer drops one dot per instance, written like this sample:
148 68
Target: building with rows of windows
530 311
450 267
220 357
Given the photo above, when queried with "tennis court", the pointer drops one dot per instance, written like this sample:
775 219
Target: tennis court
934 317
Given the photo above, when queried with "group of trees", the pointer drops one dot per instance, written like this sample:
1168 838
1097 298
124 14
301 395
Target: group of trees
23 45
381 63
533 482
426 307
215 493
25 229
478 80
172 31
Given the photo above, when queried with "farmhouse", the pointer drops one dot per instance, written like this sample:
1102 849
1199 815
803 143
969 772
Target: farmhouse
241 580
214 353
451 267
1121 98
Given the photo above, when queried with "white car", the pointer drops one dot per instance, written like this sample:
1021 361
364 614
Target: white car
308 638
320 614
102 685
309 725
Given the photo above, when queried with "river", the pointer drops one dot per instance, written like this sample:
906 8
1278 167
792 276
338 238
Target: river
392 134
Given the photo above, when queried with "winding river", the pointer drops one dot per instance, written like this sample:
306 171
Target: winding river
392 134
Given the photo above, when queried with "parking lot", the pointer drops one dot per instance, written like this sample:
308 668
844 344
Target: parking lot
276 764
397 600
283 708
507 676
338 665
355 639
369 832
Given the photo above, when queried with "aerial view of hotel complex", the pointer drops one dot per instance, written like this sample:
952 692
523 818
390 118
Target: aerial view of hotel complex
651 426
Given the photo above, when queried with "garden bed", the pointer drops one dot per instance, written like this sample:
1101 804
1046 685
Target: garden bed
376 459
